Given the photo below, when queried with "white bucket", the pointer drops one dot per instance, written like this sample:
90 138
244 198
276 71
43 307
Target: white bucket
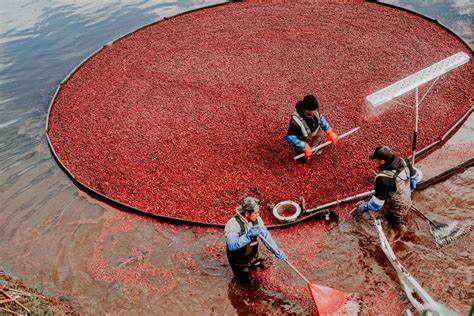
287 211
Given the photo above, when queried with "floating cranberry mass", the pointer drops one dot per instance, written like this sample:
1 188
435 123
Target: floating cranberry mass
187 116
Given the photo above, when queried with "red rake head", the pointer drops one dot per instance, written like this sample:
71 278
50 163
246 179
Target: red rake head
328 301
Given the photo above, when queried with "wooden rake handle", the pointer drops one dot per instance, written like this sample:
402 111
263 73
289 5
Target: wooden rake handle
419 213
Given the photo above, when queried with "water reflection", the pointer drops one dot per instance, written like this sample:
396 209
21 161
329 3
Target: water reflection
254 300
20 16
41 42
455 14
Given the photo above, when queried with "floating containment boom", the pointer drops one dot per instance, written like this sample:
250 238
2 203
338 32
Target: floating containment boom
417 79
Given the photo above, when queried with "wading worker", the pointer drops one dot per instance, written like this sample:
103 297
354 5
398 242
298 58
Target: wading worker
394 183
242 242
305 127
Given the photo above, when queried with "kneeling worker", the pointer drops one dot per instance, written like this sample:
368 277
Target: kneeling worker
393 186
305 124
242 242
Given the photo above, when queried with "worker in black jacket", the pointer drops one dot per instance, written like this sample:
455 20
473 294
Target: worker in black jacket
305 126
394 183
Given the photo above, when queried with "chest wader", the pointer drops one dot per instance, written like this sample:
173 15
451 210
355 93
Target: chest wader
244 259
398 202
312 138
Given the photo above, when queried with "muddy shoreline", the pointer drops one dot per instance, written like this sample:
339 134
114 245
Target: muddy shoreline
16 297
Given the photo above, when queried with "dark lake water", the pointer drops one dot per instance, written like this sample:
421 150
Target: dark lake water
52 234
455 15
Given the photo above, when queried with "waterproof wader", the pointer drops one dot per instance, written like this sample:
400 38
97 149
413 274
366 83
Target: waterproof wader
399 202
244 259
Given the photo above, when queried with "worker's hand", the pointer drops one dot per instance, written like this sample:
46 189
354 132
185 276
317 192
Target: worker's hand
253 232
415 178
332 136
281 256
308 152
412 184
363 207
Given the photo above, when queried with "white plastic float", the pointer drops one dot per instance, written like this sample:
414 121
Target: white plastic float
287 207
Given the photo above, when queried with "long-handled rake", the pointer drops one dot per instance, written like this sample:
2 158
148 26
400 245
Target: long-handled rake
316 148
416 294
444 234
328 301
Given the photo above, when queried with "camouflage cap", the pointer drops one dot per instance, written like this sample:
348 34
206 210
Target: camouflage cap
248 204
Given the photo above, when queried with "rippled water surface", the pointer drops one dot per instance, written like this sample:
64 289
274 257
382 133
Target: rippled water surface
102 260
456 15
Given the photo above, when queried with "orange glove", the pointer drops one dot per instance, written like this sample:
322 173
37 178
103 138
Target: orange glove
307 152
332 136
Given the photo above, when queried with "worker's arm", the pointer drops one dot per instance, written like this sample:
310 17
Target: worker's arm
324 124
377 201
415 179
415 175
266 234
233 240
294 141
330 134
294 135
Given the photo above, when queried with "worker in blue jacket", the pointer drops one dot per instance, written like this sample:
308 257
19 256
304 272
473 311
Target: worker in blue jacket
394 182
305 126
242 242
